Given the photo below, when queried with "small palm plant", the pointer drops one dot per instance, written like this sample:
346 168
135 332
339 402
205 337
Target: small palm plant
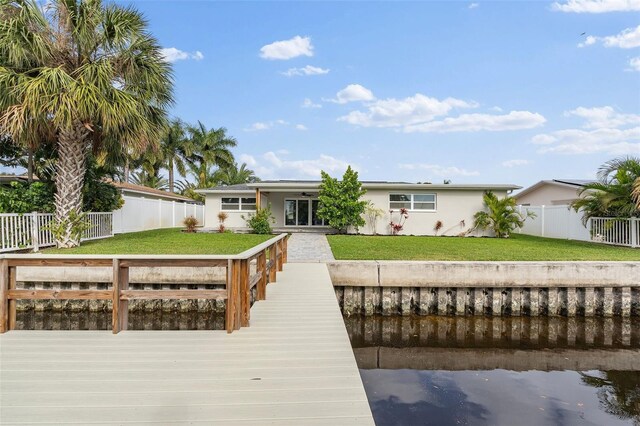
500 215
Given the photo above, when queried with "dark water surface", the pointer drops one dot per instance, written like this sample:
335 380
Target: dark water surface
499 371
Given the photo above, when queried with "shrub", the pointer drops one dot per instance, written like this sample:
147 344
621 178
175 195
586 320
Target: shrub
340 204
500 215
21 197
190 223
222 216
260 221
438 226
398 226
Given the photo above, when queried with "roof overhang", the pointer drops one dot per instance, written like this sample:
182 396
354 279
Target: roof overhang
547 182
315 186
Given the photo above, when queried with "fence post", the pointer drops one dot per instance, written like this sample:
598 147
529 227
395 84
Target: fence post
245 294
120 308
542 220
634 232
35 231
262 269
173 213
233 296
273 260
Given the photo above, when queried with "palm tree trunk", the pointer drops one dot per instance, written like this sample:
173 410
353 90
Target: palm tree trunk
30 165
170 175
126 171
69 179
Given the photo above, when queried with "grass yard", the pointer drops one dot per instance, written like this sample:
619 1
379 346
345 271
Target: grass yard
518 247
167 241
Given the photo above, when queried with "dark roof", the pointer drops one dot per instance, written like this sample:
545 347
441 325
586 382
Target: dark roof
575 182
237 187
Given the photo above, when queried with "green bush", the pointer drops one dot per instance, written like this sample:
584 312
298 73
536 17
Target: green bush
22 197
260 221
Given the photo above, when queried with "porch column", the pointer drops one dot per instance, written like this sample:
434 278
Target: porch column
257 198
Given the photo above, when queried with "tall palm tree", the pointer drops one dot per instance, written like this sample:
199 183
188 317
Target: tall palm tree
234 175
150 180
613 193
91 74
636 192
175 149
211 147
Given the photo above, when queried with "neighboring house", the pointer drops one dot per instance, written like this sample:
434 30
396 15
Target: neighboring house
7 179
295 204
148 208
551 192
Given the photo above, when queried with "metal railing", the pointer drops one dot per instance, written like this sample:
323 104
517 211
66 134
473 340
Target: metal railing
264 259
616 231
30 230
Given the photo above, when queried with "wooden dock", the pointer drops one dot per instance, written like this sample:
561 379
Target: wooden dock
293 366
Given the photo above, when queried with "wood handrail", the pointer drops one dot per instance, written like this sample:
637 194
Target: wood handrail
268 256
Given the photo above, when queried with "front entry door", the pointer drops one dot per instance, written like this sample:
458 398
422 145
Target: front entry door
302 212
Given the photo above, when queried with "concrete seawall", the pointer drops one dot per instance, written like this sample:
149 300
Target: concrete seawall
487 288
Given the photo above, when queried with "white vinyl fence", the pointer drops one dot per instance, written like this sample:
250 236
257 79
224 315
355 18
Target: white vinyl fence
565 223
30 230
139 214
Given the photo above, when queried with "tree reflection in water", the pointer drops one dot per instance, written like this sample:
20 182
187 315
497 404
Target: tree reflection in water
618 392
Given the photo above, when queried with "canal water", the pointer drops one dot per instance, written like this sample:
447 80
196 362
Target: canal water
499 371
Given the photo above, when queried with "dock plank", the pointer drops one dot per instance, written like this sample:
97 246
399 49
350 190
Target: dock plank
293 365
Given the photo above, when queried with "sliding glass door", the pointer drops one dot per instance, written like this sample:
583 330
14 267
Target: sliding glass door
302 212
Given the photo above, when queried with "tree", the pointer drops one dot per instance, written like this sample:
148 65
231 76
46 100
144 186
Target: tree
89 74
175 150
636 192
211 147
232 175
150 180
612 195
501 216
340 203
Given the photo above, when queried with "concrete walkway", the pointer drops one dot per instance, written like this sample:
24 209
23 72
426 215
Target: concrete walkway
293 366
309 247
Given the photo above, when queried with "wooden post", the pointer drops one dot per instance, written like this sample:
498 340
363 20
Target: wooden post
4 295
120 308
12 302
262 269
245 294
229 316
273 253
285 251
257 198
281 257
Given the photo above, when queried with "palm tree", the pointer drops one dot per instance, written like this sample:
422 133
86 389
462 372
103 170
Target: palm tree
211 147
150 180
613 194
88 73
175 150
636 192
234 175
502 217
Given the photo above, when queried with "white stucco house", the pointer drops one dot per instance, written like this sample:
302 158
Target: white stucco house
551 192
294 204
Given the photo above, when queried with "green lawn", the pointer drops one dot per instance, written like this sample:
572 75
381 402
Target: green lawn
518 247
167 241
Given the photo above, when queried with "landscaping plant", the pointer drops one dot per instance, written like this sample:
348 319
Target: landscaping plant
222 216
500 215
372 214
340 203
190 224
398 226
260 221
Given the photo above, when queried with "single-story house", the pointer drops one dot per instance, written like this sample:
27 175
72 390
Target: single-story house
551 192
294 204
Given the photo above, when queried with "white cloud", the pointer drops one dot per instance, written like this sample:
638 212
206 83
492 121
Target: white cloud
597 6
473 5
259 126
287 49
272 166
437 170
404 112
513 163
634 63
308 103
514 120
308 70
171 54
627 39
301 127
605 116
353 93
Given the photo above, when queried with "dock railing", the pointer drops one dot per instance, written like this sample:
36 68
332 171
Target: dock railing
269 258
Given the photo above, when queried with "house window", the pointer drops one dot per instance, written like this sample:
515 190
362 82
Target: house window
424 202
235 203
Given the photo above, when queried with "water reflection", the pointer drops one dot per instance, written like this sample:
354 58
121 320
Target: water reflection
506 371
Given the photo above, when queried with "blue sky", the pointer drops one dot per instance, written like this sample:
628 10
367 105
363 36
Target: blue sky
483 92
